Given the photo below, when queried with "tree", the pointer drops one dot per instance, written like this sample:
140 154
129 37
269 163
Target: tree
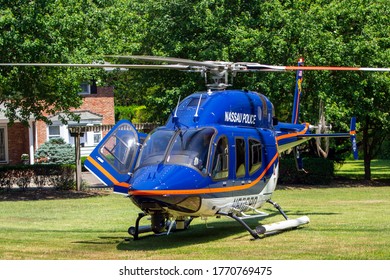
75 31
356 34
324 32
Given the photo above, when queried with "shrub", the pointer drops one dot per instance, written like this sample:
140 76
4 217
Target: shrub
83 159
56 151
62 177
52 175
320 171
7 178
23 177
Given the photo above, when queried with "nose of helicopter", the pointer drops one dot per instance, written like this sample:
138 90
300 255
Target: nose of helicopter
166 179
176 187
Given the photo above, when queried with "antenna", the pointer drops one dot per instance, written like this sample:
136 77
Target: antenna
196 116
177 106
175 118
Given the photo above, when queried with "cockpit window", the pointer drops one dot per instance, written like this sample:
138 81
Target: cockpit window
191 147
220 168
154 147
184 147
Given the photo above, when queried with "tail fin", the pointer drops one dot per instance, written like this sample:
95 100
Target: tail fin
352 133
297 93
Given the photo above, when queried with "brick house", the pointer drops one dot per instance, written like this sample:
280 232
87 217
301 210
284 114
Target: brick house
96 109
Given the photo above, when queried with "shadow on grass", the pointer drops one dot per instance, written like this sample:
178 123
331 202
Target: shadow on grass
46 194
196 234
201 233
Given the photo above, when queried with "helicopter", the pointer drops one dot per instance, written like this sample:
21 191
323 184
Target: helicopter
216 156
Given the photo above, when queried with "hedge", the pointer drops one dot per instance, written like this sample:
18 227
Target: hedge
320 171
38 175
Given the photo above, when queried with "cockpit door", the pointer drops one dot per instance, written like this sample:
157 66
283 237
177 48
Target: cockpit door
113 159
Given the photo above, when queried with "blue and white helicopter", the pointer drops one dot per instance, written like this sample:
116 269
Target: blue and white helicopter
217 155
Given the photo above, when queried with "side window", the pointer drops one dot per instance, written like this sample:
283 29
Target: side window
220 169
254 156
240 157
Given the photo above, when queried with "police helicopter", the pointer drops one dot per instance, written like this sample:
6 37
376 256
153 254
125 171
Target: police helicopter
217 155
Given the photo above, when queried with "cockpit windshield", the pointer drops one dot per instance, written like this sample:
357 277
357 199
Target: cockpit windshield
154 147
185 147
191 147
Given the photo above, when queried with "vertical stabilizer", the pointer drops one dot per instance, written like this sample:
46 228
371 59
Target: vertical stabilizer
352 133
297 93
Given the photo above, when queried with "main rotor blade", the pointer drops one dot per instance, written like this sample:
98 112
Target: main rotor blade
186 64
244 66
336 68
209 64
105 65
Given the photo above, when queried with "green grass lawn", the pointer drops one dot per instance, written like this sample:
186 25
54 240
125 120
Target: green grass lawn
354 169
346 223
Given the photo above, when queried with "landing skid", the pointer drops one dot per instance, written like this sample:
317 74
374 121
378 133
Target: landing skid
136 230
257 233
263 230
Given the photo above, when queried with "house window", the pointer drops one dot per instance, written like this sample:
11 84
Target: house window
85 88
97 136
54 131
3 148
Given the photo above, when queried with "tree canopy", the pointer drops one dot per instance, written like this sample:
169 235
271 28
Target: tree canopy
56 31
324 32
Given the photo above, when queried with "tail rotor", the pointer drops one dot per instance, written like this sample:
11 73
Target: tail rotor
322 143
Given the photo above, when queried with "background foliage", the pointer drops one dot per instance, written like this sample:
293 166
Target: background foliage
320 171
324 32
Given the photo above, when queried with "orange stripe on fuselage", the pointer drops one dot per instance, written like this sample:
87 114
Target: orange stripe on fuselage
295 134
208 190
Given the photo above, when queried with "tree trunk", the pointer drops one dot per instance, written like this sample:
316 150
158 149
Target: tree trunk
367 168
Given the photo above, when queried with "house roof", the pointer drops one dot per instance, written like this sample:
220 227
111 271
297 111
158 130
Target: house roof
86 117
3 117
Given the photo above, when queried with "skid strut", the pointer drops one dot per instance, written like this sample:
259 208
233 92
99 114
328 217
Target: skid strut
241 222
263 230
135 230
277 206
175 225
